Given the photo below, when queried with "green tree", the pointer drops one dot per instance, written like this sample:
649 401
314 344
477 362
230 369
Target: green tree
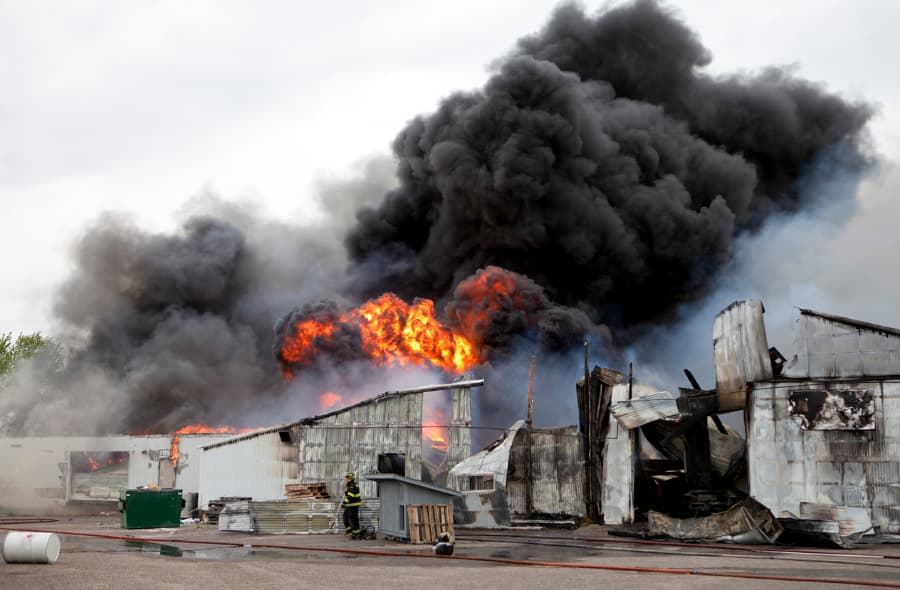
25 346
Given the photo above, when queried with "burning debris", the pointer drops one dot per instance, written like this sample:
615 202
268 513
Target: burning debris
593 185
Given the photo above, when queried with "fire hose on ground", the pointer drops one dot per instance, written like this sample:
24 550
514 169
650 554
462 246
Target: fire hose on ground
496 560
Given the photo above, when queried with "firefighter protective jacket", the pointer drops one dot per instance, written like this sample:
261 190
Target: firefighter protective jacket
351 494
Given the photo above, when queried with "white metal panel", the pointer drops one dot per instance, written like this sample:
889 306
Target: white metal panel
252 467
190 454
617 500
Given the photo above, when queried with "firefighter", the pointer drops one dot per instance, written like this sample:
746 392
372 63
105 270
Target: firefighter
352 501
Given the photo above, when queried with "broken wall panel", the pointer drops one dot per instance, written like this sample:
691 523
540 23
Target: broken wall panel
741 352
640 410
557 477
789 465
484 506
830 409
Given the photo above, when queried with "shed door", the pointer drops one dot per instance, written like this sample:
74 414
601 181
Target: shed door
166 473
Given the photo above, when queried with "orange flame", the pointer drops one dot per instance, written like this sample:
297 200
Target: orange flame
489 291
329 399
392 332
434 429
94 465
198 428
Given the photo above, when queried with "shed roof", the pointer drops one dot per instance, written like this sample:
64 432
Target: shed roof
411 482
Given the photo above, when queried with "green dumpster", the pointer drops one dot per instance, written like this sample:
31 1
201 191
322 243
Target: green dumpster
150 509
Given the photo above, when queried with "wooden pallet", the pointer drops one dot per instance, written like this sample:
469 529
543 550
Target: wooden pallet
304 491
427 521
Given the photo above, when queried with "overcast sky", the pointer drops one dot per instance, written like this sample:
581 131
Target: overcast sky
135 107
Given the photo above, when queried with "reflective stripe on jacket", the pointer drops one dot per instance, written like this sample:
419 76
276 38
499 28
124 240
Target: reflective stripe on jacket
351 495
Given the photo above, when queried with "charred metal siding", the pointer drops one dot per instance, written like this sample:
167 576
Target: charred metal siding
830 346
351 440
856 468
256 467
460 444
557 472
741 352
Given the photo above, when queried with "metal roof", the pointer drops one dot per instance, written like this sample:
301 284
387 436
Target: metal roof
313 419
412 482
850 321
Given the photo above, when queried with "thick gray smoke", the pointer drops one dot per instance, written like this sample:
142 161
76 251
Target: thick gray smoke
603 164
168 330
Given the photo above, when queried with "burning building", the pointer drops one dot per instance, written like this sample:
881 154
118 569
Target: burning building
523 474
382 434
596 182
821 445
66 475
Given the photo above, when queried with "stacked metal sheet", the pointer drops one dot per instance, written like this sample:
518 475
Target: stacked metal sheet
235 516
280 517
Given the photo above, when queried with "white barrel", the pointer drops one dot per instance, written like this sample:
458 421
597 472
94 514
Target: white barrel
25 547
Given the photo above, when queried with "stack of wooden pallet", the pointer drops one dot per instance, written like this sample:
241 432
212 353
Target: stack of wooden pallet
427 521
306 491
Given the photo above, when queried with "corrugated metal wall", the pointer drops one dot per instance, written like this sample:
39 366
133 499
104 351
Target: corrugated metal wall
257 467
557 470
460 445
789 465
741 352
827 347
352 440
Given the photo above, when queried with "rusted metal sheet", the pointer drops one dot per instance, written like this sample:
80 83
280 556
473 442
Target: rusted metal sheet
837 347
747 522
659 405
741 352
788 465
557 477
829 409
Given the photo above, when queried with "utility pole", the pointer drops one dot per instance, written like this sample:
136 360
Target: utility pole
529 500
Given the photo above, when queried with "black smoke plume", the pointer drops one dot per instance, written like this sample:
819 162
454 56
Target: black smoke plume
602 163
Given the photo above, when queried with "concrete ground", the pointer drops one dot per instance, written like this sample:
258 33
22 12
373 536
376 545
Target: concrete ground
333 561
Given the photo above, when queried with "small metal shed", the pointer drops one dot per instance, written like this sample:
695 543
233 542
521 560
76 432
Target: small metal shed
397 492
